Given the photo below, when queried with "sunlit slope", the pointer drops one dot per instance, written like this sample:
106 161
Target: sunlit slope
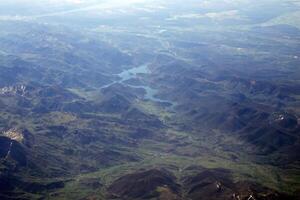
149 100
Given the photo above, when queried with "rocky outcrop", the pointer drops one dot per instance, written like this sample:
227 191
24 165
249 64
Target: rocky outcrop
22 136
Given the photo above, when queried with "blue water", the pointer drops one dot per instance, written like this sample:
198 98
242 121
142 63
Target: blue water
133 73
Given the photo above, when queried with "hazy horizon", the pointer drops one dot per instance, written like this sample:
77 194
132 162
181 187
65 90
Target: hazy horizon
150 99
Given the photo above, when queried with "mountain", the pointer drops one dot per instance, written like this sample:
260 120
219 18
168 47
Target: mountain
150 100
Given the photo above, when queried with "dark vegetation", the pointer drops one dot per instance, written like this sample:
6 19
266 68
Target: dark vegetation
215 115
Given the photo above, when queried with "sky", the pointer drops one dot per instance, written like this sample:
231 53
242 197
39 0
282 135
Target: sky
31 9
23 9
71 2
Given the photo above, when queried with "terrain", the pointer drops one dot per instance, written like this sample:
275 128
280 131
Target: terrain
150 100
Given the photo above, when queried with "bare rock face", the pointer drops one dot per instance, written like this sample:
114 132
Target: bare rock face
14 134
22 136
13 90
